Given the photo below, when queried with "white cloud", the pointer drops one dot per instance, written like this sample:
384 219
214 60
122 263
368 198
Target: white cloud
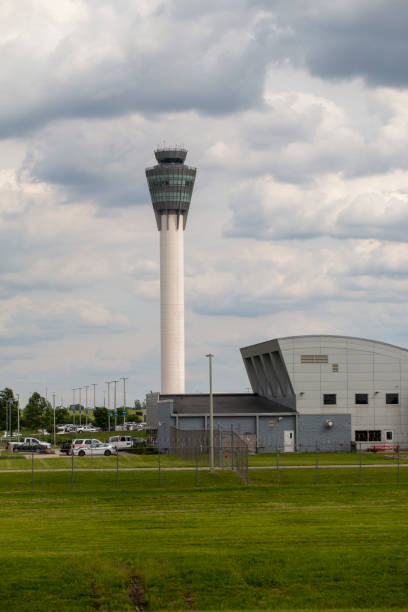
298 222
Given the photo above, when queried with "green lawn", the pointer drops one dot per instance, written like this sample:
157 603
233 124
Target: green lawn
219 546
15 461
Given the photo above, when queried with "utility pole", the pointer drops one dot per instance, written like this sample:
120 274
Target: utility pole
73 404
210 357
115 412
86 404
80 404
55 434
94 386
108 382
18 413
11 404
124 378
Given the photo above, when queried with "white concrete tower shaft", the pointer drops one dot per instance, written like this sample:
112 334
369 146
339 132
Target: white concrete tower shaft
172 305
171 185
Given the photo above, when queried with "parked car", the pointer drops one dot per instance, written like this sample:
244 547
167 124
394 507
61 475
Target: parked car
66 448
121 442
88 446
87 429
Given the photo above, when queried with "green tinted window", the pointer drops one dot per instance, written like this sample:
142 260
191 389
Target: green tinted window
171 196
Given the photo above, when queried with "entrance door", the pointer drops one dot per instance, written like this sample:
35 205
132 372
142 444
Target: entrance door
289 441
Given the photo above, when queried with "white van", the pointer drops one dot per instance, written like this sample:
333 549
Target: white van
121 442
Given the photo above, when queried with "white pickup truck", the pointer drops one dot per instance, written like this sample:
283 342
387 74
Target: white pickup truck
29 442
121 442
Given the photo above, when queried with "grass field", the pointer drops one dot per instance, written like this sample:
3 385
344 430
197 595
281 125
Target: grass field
14 461
219 546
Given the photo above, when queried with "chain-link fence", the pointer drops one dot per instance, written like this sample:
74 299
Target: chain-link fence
188 462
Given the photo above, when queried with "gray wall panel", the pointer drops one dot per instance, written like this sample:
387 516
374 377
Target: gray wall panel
313 433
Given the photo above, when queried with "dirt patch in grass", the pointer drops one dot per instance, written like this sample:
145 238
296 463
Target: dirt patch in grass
95 594
136 593
189 601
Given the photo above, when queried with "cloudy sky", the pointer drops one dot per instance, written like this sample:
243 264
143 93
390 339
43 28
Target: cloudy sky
295 114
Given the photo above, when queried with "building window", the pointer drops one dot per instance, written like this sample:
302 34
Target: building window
374 435
335 367
329 398
361 436
314 359
361 398
391 398
388 435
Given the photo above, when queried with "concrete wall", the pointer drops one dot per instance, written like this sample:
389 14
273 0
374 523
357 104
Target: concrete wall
151 410
314 434
172 305
165 421
271 432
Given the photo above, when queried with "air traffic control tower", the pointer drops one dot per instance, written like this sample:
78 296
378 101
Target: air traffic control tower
171 185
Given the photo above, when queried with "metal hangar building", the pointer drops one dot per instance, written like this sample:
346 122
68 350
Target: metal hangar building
316 392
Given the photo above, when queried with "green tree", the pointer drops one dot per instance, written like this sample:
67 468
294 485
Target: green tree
61 416
37 412
101 417
8 405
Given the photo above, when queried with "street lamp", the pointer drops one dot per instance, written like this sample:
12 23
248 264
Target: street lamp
18 413
86 404
124 398
80 404
108 382
94 394
53 405
73 405
114 404
210 358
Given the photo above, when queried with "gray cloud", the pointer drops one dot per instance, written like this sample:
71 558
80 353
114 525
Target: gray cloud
289 213
24 321
346 40
217 66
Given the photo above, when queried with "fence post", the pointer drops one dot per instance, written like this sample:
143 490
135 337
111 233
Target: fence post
196 474
117 468
398 465
72 469
238 462
317 467
32 471
219 448
160 480
247 467
361 464
277 465
232 447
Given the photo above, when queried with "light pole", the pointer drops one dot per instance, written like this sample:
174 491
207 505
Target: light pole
73 405
124 378
210 358
18 413
80 404
94 385
108 382
86 404
53 405
114 404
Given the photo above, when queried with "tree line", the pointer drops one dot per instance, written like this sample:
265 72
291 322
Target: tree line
39 414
